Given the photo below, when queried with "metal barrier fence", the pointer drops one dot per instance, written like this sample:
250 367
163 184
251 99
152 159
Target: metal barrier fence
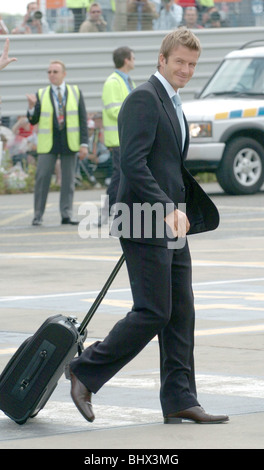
88 58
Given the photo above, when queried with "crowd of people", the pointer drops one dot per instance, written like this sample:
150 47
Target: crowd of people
138 15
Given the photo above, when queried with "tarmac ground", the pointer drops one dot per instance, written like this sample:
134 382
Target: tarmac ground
57 268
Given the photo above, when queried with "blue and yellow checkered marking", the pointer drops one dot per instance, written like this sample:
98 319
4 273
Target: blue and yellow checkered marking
240 113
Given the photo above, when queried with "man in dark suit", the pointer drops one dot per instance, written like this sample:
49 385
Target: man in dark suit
153 147
59 110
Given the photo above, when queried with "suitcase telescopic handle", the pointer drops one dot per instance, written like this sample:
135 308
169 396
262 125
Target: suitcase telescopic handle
101 295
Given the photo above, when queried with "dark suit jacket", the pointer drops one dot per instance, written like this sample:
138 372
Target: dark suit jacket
60 144
152 166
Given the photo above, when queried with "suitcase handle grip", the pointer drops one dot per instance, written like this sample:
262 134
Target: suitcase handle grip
101 295
27 380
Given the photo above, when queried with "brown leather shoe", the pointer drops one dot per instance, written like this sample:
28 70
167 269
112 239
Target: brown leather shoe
82 398
196 414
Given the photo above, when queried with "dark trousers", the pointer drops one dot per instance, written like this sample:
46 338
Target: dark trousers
115 178
160 281
79 15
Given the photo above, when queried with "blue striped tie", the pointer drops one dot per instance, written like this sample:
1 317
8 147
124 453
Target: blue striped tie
178 106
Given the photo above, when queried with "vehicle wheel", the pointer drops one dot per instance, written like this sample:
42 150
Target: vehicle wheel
242 167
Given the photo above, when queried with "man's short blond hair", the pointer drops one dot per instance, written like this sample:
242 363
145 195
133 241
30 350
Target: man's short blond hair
180 37
60 63
95 4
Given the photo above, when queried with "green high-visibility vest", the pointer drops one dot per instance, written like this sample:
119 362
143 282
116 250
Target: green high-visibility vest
45 125
77 3
114 93
207 3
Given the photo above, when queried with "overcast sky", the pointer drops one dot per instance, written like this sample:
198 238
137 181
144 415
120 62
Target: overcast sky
14 6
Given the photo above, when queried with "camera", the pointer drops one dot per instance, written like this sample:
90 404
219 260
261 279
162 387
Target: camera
35 15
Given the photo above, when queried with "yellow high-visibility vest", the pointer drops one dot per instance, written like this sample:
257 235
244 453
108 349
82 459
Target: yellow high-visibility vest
77 3
114 93
45 125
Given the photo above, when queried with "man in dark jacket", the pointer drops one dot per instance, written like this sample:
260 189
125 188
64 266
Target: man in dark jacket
154 142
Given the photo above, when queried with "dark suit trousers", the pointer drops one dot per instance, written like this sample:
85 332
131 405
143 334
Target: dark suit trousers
115 178
45 169
160 281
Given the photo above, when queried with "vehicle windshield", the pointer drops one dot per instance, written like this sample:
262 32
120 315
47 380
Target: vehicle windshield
236 77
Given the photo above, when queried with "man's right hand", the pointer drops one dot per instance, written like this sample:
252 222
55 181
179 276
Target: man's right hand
32 100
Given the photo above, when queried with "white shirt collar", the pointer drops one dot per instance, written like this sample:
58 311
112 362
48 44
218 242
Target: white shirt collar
62 87
169 89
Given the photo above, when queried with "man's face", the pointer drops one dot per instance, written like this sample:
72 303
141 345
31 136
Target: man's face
56 74
190 17
131 61
179 67
95 13
33 6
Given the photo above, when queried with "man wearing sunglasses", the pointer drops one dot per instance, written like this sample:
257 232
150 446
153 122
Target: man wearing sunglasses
59 110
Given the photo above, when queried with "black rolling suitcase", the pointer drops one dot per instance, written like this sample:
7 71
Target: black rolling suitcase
32 374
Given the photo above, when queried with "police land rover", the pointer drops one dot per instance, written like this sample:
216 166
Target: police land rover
226 122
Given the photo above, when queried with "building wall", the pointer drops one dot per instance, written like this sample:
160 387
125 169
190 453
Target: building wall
88 58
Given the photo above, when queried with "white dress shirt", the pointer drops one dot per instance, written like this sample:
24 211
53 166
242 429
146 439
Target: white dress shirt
171 92
54 89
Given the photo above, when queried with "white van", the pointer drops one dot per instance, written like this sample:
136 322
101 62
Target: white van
226 122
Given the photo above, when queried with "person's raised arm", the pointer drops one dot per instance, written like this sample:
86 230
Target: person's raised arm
4 59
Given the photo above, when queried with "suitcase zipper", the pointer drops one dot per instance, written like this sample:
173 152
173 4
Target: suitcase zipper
38 363
33 371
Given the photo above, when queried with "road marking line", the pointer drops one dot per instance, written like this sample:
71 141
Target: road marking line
235 221
227 307
230 330
226 250
128 303
46 296
20 215
241 208
57 256
206 383
38 233
66 416
95 292
8 350
197 333
65 256
230 281
256 296
254 264
113 302
16 217
241 229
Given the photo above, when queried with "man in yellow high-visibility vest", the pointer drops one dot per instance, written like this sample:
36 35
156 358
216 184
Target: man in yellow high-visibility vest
115 90
59 110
